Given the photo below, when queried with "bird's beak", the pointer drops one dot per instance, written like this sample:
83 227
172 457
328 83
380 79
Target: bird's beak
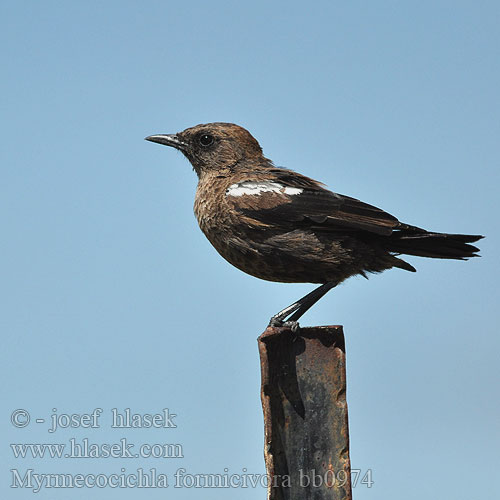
168 140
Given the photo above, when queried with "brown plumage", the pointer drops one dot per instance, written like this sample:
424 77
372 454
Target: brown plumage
280 225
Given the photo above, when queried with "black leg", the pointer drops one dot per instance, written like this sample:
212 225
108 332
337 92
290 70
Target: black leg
294 311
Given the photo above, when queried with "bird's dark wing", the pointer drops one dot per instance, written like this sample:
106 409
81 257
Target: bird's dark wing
301 202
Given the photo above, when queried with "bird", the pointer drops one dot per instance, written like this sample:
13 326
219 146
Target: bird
280 225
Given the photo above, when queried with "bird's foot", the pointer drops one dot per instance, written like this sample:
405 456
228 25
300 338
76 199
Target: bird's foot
276 322
289 316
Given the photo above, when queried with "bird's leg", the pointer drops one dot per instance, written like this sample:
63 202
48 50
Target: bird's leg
294 311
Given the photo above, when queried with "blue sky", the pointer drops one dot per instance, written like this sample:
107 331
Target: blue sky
112 298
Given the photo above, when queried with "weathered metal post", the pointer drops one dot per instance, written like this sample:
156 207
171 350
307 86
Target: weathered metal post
305 413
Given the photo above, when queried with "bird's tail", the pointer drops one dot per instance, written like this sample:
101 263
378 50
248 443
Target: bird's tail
411 240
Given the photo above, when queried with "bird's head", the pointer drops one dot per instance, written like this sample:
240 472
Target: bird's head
215 147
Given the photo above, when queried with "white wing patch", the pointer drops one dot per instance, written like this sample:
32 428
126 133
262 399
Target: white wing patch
258 187
292 191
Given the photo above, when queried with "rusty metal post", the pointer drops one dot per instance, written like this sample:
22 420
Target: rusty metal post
305 413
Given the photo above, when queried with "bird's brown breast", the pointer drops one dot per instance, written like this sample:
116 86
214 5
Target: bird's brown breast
237 238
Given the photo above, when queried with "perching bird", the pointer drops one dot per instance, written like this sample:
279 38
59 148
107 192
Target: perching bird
279 225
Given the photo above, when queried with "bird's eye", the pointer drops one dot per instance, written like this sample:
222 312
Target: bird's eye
206 140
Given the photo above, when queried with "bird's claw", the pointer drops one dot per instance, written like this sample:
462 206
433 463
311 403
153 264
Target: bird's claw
278 323
293 325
